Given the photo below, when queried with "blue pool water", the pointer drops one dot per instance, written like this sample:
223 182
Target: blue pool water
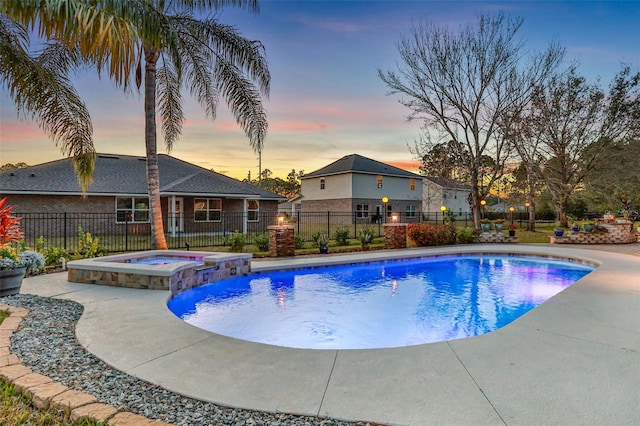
163 260
378 305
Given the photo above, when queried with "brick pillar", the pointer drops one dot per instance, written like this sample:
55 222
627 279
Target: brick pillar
395 235
282 241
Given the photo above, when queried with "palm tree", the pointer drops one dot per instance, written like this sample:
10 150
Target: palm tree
41 90
176 50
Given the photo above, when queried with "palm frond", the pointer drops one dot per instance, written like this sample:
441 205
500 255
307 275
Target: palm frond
169 103
41 90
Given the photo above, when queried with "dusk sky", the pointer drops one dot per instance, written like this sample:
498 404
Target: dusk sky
326 98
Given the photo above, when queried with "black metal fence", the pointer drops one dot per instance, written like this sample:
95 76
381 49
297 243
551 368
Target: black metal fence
62 229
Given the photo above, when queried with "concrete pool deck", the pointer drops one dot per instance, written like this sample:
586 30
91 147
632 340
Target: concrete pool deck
573 360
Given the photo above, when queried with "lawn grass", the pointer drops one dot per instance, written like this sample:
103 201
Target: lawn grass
16 408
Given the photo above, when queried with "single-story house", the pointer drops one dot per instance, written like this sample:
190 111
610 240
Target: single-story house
193 199
453 194
358 185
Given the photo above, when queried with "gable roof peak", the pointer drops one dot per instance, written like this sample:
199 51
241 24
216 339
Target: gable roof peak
356 163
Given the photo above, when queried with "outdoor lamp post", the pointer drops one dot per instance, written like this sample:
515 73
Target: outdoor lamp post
527 205
443 209
511 210
385 200
482 204
280 219
394 217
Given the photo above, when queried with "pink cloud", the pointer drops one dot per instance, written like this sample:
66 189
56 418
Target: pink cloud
20 131
405 164
297 126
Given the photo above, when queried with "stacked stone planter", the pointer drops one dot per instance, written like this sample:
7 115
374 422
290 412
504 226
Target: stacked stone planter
496 237
612 233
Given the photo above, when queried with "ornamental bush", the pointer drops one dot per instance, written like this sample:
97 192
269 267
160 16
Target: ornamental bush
424 234
341 235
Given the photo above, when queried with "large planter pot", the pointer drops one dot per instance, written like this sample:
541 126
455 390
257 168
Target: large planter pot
486 227
587 228
498 227
324 250
512 232
11 281
576 229
558 232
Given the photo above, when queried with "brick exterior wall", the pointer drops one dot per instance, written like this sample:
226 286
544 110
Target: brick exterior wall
99 212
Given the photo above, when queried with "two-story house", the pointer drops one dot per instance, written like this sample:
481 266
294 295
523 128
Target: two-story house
362 186
452 194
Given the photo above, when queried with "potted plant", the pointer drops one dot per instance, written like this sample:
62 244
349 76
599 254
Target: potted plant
512 230
485 225
322 241
588 226
558 232
576 226
497 224
365 236
14 264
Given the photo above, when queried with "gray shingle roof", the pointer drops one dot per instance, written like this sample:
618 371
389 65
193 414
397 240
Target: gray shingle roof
355 163
448 183
126 175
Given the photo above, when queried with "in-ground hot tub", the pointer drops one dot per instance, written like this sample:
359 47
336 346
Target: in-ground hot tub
174 270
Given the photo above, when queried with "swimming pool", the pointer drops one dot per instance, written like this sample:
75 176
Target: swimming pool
378 305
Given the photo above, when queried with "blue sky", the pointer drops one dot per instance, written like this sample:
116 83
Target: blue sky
326 98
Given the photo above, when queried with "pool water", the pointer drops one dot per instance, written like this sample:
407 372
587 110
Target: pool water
378 305
163 260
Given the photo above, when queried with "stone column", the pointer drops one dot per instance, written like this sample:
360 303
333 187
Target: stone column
281 241
395 235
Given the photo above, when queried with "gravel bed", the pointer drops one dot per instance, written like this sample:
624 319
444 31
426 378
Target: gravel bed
47 344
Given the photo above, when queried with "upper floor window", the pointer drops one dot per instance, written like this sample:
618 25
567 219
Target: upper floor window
412 184
253 207
322 183
207 209
132 209
379 181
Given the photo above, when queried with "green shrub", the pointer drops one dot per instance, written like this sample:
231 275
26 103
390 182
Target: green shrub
52 255
262 242
366 235
341 235
466 236
320 240
423 234
88 246
298 241
237 242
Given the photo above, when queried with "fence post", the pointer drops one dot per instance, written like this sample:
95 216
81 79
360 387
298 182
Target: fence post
126 232
65 230
329 224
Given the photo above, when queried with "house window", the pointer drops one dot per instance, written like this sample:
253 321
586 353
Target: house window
207 209
379 181
362 211
412 184
132 209
252 210
411 211
321 183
